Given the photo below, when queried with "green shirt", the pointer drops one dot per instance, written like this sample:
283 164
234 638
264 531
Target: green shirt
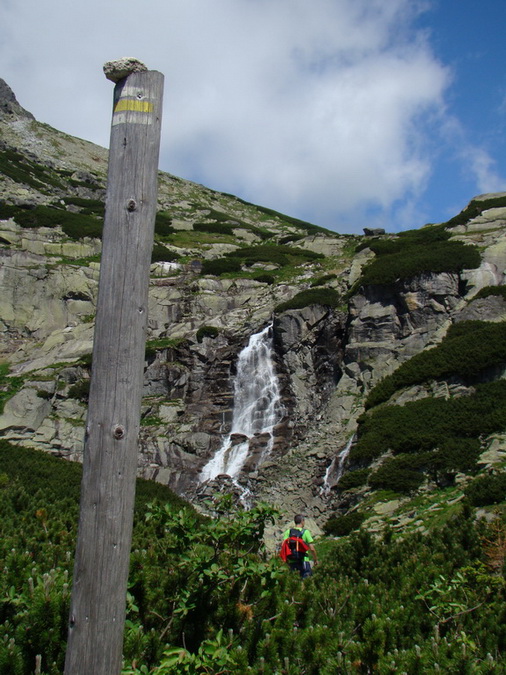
306 536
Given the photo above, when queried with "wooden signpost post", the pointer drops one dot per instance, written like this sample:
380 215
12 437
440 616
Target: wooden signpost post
97 613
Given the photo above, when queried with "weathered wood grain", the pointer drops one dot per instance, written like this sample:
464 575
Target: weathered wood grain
97 611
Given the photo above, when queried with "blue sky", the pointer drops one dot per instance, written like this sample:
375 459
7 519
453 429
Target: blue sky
467 37
346 113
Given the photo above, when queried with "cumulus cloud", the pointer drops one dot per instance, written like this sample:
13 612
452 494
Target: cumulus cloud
324 110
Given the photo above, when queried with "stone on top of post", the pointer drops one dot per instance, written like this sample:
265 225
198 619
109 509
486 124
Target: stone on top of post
121 68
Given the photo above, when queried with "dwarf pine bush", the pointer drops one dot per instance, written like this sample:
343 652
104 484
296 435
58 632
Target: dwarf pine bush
445 434
205 597
414 252
468 350
327 297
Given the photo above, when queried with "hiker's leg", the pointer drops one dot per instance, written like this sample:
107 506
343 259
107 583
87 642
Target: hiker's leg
306 570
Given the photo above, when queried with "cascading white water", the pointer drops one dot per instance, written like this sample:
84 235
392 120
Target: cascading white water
257 406
335 469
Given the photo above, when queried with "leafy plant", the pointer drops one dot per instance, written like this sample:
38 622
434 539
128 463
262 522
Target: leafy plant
153 346
397 474
23 170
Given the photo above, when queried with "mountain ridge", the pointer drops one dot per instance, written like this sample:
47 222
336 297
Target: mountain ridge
328 356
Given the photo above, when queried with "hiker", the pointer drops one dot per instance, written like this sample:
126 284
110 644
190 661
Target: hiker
297 544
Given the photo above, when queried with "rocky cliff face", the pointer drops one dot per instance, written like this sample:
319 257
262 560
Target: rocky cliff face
328 355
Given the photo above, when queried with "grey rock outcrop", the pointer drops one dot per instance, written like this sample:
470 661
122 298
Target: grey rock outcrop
9 104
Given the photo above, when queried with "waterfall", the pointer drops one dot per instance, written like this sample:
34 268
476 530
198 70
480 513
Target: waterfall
336 468
257 408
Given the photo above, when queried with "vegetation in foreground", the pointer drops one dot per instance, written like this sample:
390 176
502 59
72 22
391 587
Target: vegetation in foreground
205 597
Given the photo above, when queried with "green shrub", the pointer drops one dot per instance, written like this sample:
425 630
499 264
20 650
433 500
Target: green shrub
290 238
468 349
86 360
264 279
430 423
80 390
353 479
207 331
397 474
427 250
491 290
404 240
340 526
274 254
153 346
451 456
487 490
28 172
92 207
327 297
214 228
78 226
9 385
415 259
163 224
74 225
161 253
321 281
220 266
42 393
474 209
413 603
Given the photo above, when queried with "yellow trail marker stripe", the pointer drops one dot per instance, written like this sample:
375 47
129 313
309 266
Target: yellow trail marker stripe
133 104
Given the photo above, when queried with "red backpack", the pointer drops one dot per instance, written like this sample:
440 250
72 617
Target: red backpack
294 548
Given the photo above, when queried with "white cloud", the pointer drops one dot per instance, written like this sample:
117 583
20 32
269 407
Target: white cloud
317 109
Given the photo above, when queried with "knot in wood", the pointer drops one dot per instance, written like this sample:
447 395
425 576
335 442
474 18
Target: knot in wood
132 205
118 432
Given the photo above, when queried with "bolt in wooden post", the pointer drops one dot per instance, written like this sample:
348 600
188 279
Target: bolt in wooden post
97 612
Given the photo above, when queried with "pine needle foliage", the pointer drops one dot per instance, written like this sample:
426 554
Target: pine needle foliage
74 225
433 438
416 252
205 597
474 209
274 253
23 170
468 350
326 297
491 290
